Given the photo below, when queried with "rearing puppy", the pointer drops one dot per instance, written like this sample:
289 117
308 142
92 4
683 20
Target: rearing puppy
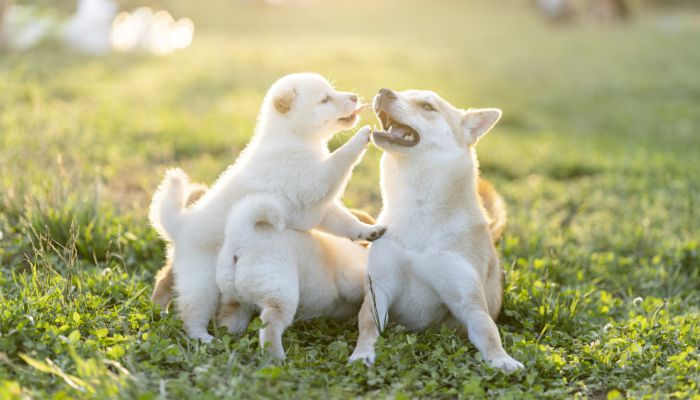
437 263
287 159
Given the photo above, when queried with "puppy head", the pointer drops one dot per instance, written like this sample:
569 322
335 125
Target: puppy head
419 121
308 105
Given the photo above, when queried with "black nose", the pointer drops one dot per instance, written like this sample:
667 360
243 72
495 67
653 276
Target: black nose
388 93
353 98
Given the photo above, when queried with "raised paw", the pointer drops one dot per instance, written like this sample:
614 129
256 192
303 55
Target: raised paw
363 135
506 363
373 234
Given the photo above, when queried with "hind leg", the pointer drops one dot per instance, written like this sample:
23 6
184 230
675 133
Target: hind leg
276 316
163 287
234 316
197 292
459 285
273 286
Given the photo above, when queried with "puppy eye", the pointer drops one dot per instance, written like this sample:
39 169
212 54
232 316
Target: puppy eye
326 99
428 107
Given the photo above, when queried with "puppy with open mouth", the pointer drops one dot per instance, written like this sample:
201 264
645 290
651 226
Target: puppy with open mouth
287 160
437 263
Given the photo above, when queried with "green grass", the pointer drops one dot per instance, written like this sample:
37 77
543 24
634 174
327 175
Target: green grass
597 155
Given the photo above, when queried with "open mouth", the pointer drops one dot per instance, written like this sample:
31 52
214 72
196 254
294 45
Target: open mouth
396 132
351 117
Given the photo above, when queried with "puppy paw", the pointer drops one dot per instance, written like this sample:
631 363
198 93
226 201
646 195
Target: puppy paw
202 337
367 357
235 324
362 136
372 234
506 363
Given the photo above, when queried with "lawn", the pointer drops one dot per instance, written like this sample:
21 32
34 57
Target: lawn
597 156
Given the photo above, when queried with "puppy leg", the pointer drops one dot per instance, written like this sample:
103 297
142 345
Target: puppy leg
384 261
363 216
234 316
459 286
197 293
337 168
163 288
276 316
371 321
339 221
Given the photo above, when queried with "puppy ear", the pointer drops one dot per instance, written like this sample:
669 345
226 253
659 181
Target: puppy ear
284 99
476 122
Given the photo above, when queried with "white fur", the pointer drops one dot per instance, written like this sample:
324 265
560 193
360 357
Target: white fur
437 262
288 159
281 271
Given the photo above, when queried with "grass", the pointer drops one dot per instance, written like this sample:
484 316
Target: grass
597 157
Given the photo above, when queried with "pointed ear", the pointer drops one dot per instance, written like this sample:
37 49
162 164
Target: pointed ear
476 122
284 99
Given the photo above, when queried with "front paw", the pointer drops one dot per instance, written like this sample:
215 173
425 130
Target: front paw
362 136
367 357
506 363
373 233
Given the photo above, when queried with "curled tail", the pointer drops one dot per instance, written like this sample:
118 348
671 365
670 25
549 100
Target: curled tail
253 213
251 217
169 202
495 208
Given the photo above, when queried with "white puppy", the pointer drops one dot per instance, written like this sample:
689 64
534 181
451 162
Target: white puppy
437 262
288 159
283 272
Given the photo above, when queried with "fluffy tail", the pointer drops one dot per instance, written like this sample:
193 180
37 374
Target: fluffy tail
255 212
246 221
495 208
169 202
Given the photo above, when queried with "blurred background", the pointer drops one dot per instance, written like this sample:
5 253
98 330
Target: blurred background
600 97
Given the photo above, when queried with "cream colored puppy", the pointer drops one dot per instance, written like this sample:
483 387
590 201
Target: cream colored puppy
287 159
279 272
437 262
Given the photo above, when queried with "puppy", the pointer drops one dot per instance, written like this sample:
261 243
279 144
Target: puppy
437 263
287 159
279 272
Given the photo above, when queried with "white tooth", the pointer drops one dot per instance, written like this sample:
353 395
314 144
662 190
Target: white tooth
391 128
409 137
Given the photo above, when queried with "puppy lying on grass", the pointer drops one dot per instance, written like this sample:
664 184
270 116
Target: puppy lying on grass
287 159
437 263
